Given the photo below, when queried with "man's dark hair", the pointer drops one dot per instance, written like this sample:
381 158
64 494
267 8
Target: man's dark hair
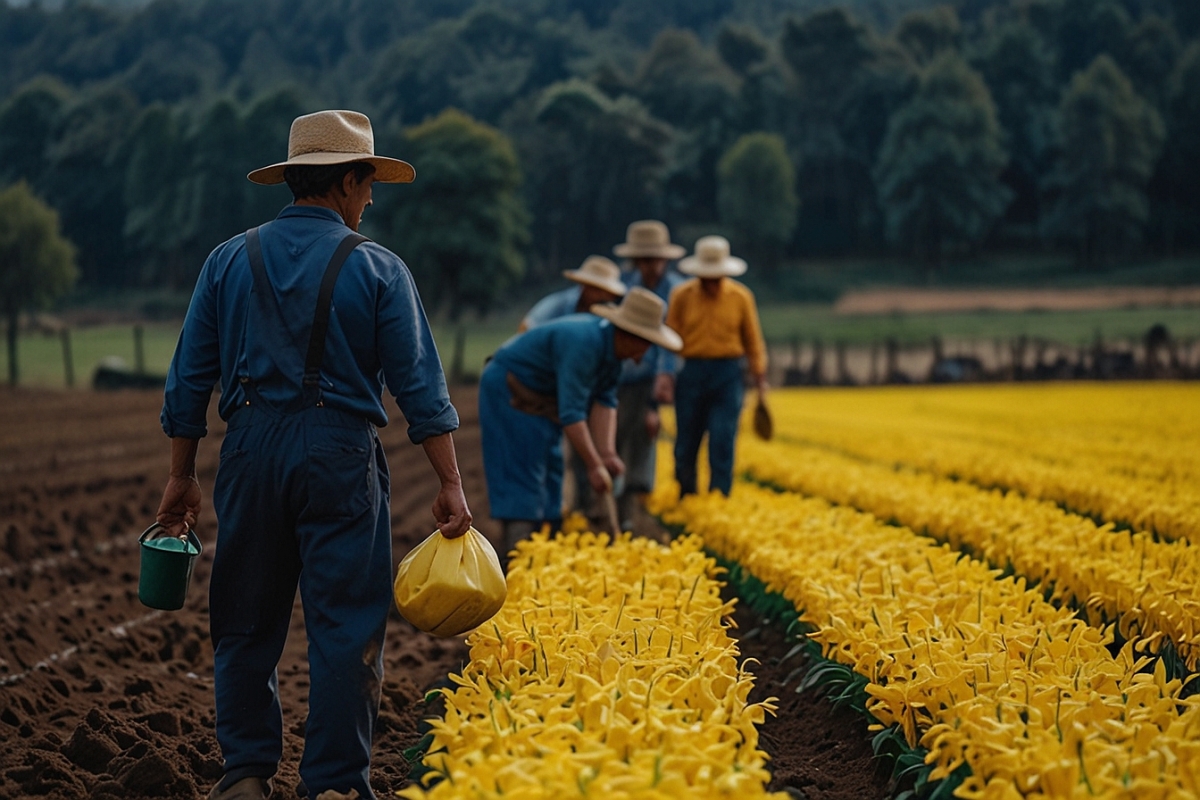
307 180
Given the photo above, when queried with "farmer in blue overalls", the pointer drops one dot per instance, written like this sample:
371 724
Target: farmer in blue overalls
304 322
560 377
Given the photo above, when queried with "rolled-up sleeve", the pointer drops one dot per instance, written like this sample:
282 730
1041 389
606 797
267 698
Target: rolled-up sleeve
196 365
412 368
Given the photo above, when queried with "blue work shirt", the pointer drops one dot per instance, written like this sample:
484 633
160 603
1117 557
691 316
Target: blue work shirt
552 306
658 360
572 358
378 333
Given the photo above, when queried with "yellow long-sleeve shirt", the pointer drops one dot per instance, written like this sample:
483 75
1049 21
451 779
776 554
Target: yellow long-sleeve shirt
723 326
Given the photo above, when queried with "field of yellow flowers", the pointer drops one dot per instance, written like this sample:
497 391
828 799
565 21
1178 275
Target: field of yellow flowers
1011 570
1009 574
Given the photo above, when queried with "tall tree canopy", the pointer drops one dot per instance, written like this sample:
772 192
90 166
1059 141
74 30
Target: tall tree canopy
1110 139
939 168
757 196
461 226
37 265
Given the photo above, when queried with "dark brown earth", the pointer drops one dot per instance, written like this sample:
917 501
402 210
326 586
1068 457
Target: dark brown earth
101 697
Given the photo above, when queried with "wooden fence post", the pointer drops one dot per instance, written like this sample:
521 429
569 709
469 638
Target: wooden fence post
139 350
64 335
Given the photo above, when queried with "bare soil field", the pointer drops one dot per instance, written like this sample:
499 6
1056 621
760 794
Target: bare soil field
912 301
101 697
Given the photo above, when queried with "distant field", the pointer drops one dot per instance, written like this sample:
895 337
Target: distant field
782 323
41 360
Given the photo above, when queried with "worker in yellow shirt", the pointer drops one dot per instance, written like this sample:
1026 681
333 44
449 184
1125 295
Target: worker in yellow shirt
718 320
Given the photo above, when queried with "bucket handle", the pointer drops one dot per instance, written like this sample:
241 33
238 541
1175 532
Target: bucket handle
189 537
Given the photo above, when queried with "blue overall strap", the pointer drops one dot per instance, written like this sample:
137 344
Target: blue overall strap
316 342
320 327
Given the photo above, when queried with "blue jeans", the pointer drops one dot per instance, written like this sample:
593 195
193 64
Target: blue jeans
302 500
708 399
522 455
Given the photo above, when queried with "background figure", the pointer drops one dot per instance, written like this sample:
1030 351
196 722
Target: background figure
302 489
718 320
643 386
597 280
559 378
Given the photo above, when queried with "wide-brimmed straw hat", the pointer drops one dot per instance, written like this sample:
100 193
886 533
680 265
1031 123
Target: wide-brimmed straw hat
334 137
712 259
648 238
641 313
598 271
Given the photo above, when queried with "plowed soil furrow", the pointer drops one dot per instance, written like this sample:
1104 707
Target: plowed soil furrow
101 697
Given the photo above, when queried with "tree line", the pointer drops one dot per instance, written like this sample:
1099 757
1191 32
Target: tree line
540 128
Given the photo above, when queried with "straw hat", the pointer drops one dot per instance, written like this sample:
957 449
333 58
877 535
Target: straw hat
712 259
648 238
598 271
641 313
334 137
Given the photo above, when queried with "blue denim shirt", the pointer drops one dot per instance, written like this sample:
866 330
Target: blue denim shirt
658 360
571 357
554 305
378 332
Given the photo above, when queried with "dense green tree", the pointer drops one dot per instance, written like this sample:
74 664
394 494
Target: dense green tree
939 168
85 181
461 226
1018 67
1176 215
741 48
845 84
1187 16
264 141
212 185
37 264
153 229
480 63
1110 139
757 196
927 33
1087 29
594 164
688 86
27 121
1151 51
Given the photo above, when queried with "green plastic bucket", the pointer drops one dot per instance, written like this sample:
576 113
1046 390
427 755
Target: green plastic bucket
166 567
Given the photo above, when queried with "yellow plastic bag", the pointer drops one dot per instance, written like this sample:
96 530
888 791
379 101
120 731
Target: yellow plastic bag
448 586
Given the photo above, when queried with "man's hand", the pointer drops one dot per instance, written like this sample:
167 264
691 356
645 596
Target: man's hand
653 423
613 463
450 506
664 388
600 479
451 512
180 506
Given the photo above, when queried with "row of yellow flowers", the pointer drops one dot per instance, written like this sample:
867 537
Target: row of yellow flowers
1118 453
608 673
1151 589
978 669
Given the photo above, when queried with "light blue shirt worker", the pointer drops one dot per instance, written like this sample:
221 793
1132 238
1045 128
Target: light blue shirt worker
552 306
378 333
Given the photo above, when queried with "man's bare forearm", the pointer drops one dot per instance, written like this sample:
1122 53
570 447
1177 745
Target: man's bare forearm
581 440
442 457
602 423
183 457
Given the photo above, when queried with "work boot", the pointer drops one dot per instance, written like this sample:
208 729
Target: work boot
245 789
330 794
